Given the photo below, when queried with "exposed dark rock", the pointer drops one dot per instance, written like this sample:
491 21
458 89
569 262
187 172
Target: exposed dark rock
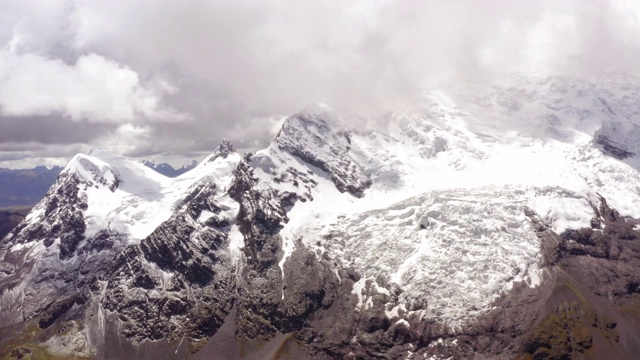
261 216
549 240
309 284
602 260
310 137
62 223
55 310
222 151
560 334
63 218
612 148
183 286
21 353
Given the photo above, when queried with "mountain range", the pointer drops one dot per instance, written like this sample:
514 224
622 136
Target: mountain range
25 187
493 221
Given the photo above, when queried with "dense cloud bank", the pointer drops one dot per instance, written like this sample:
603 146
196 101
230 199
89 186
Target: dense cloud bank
146 77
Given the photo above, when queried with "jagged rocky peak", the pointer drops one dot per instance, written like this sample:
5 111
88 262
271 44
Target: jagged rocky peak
222 151
58 217
224 148
320 137
172 276
320 121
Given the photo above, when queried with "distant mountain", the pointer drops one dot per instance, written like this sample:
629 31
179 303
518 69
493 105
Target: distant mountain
25 186
168 170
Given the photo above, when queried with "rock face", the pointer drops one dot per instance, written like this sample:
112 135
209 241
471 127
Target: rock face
617 150
341 242
619 140
25 187
178 281
313 138
63 218
588 311
56 229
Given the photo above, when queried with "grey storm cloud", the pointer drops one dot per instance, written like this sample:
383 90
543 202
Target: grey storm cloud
145 77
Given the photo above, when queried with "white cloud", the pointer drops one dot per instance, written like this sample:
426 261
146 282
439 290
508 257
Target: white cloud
115 63
29 154
277 56
128 139
94 89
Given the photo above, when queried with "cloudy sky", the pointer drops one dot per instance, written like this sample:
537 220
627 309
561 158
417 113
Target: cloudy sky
150 77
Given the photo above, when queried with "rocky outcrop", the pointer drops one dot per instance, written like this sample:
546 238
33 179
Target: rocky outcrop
222 151
261 306
312 138
605 257
261 216
68 261
617 139
62 217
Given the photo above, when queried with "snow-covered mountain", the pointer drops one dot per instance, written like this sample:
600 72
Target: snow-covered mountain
494 220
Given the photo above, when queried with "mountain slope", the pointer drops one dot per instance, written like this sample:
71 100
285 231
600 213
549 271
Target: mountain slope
495 220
